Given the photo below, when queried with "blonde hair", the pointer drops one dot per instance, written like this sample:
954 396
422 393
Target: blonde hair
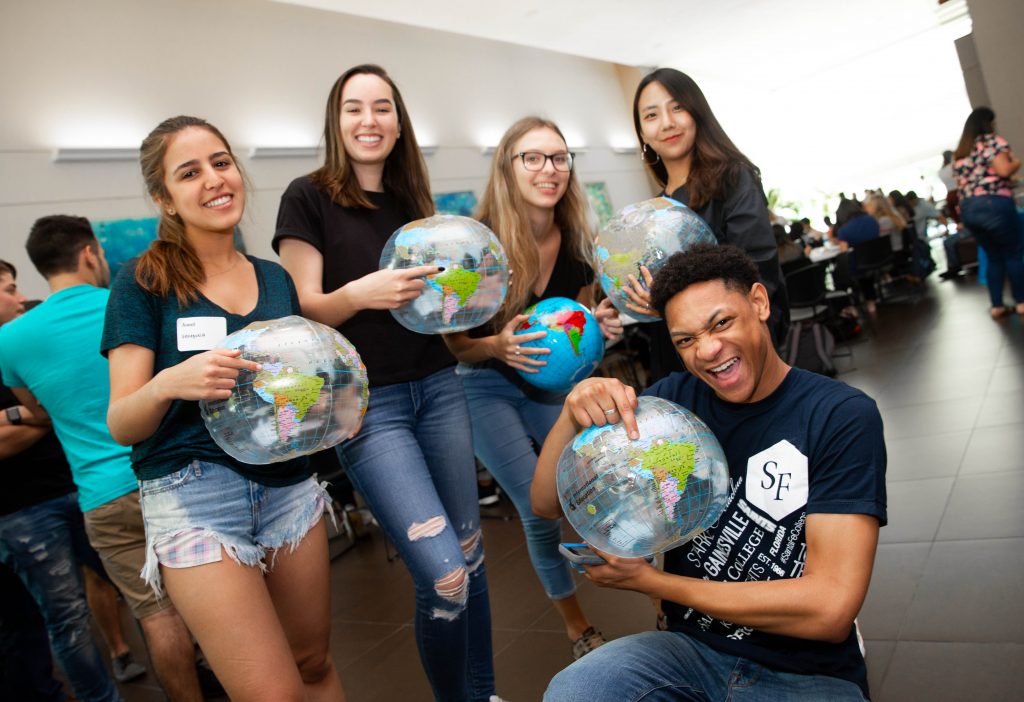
503 209
170 264
879 206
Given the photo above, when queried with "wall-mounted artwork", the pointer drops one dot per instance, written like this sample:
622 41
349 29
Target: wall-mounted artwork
124 239
600 201
462 202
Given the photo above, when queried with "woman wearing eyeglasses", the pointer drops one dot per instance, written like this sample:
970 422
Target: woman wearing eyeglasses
535 205
696 163
412 461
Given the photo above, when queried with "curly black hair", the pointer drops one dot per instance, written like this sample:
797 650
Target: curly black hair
699 264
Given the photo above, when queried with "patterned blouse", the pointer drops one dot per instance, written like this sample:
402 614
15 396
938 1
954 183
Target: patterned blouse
974 172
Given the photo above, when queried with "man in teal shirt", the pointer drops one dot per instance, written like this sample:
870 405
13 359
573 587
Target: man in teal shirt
50 358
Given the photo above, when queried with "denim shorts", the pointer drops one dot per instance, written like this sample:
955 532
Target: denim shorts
195 514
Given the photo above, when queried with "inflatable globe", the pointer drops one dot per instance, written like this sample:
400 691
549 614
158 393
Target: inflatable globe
574 338
472 285
645 234
637 498
310 393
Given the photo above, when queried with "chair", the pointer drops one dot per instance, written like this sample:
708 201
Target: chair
806 290
872 259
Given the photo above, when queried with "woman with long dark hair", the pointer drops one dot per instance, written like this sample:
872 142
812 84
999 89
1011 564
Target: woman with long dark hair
984 164
689 154
534 203
412 461
241 549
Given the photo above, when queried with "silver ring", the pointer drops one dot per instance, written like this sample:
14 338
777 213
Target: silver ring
517 351
609 412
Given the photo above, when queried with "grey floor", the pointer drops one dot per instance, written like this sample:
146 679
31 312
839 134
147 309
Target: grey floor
944 618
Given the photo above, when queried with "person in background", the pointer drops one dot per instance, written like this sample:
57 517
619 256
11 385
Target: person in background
47 360
790 250
952 207
859 227
985 166
413 459
890 222
241 549
534 203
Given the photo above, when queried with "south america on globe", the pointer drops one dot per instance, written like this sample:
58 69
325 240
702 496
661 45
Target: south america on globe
472 286
309 394
635 498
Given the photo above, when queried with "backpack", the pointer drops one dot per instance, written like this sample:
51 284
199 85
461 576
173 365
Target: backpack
810 347
921 262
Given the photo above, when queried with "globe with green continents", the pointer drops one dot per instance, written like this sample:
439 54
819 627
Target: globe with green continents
644 234
309 394
469 290
636 498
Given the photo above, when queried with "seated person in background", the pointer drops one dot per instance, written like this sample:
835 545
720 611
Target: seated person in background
859 228
924 212
765 599
890 222
790 251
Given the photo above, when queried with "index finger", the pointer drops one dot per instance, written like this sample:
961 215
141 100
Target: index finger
625 402
420 271
232 358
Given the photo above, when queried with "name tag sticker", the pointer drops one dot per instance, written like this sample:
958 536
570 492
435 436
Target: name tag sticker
201 333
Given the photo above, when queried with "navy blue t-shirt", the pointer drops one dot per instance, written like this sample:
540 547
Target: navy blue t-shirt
815 445
135 316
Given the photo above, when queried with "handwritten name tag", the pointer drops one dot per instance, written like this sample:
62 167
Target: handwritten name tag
201 333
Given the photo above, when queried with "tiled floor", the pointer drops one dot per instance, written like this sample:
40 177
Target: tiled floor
944 618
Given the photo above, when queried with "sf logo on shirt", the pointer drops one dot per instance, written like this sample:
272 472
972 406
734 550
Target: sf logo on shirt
776 480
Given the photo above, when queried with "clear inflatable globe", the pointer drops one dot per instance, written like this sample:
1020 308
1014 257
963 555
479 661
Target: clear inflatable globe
472 286
645 234
309 395
637 498
574 338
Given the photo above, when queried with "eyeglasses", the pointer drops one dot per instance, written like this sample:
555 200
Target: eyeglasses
535 160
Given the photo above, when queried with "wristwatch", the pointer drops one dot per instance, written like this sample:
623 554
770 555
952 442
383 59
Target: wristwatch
13 415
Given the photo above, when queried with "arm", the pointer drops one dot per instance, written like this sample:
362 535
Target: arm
820 605
505 346
1005 165
139 400
585 406
380 290
15 438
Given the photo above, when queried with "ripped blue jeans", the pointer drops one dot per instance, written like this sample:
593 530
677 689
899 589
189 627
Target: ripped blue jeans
44 544
412 462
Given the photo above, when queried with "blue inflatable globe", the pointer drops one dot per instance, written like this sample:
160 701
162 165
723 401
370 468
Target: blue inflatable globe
637 498
575 340
645 234
472 286
310 393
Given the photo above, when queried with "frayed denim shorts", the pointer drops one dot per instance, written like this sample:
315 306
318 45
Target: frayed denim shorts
204 510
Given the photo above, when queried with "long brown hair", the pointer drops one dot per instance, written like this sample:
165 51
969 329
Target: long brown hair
716 160
170 264
980 121
503 209
405 172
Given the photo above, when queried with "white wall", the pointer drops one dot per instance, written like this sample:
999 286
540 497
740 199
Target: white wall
104 72
997 41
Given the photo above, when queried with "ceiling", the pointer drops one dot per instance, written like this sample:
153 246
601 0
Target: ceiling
824 95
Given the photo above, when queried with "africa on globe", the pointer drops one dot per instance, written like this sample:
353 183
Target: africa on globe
644 234
573 337
637 498
472 286
309 394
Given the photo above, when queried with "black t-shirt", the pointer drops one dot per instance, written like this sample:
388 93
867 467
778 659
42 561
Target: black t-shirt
814 446
135 316
351 239
37 474
741 219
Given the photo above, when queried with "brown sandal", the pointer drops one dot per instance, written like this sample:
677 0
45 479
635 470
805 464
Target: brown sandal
999 312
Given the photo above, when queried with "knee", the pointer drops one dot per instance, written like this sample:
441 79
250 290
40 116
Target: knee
473 550
452 590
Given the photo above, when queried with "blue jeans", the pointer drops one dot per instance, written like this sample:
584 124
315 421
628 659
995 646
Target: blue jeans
412 462
668 666
26 666
40 544
994 222
506 416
